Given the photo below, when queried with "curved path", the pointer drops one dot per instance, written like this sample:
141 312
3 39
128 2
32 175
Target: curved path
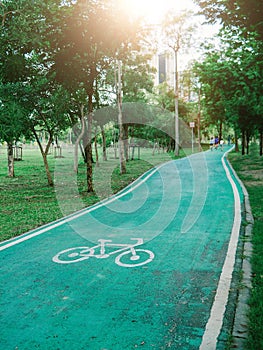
148 268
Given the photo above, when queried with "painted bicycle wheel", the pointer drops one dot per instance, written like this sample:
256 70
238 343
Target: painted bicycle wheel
127 259
73 255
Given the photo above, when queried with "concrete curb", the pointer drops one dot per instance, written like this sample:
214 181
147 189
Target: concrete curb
240 327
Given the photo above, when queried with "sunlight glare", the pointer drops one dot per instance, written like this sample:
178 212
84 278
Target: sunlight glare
154 10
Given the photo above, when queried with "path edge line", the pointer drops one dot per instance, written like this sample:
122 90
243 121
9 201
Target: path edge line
241 320
215 321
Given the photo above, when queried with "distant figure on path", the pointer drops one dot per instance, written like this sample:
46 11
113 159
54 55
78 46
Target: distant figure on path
212 143
221 144
216 142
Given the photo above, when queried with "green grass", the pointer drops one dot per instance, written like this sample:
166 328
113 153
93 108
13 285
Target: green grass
250 170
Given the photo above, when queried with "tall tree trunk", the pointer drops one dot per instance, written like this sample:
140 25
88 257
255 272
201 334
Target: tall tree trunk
115 143
154 147
125 141
49 177
10 160
104 154
261 143
44 154
121 132
198 119
220 130
247 141
243 142
88 148
236 141
76 147
76 133
96 148
176 101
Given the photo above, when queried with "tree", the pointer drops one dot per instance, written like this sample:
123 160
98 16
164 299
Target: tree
242 23
136 86
232 83
93 35
25 62
177 33
12 116
13 69
137 77
48 113
246 15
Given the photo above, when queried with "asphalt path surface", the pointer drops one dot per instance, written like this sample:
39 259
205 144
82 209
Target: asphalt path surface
148 268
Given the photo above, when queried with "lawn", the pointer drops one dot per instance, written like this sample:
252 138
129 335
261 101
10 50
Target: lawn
250 170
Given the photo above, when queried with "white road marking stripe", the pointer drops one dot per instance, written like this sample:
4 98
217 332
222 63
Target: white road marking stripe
215 322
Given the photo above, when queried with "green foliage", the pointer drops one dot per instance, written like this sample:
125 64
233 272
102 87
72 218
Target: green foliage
73 43
137 79
91 36
236 13
178 29
232 82
12 113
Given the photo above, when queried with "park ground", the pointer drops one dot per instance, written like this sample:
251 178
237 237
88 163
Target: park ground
250 170
29 193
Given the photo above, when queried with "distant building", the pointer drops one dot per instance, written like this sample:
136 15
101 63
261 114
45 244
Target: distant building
164 64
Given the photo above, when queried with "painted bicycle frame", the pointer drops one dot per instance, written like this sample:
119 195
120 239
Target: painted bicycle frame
77 254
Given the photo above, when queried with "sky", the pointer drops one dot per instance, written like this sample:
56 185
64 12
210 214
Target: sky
154 10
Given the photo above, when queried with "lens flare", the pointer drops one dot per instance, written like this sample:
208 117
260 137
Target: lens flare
154 11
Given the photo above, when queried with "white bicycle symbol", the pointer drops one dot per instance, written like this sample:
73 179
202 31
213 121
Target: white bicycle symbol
128 257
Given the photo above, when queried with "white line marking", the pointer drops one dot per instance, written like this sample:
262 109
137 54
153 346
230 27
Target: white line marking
49 227
215 322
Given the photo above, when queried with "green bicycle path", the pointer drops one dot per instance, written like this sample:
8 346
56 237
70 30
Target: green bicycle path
184 213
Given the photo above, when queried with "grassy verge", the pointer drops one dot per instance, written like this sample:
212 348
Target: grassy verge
250 170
